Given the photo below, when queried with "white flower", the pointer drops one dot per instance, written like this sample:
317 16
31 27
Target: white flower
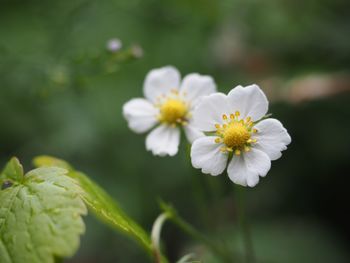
233 123
169 104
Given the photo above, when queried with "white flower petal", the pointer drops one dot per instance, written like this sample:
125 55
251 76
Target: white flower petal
209 112
163 140
160 81
192 133
272 138
140 114
194 86
249 101
246 168
206 155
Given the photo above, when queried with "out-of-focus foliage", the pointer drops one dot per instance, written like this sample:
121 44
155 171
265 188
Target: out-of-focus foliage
54 99
286 241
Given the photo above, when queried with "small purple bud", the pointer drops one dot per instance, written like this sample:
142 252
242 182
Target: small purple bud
114 44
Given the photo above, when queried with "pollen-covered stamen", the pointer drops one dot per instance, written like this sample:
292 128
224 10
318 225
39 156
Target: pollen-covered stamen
173 110
235 133
252 141
218 140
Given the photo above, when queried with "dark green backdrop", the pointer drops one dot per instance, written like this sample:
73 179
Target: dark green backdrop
57 99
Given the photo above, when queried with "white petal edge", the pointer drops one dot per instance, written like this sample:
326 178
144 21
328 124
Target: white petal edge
163 140
160 82
249 101
272 138
140 115
192 133
209 112
246 168
194 86
206 155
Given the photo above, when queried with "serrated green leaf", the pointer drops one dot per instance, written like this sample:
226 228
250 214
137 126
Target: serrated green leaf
40 215
12 172
48 161
100 203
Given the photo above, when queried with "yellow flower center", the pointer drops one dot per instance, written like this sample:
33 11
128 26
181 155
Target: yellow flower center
173 111
235 133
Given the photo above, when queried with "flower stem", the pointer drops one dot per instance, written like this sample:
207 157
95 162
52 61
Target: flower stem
244 224
217 248
155 236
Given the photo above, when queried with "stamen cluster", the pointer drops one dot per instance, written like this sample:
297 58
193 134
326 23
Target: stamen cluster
173 110
235 133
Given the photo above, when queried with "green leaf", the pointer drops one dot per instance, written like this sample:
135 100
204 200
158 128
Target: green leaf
100 203
13 171
40 215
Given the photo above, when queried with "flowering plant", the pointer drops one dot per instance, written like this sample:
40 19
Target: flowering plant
41 211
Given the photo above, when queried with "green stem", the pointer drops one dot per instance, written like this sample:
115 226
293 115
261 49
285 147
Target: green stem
58 260
244 224
215 247
155 237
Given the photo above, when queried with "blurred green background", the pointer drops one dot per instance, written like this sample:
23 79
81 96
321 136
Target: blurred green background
61 94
